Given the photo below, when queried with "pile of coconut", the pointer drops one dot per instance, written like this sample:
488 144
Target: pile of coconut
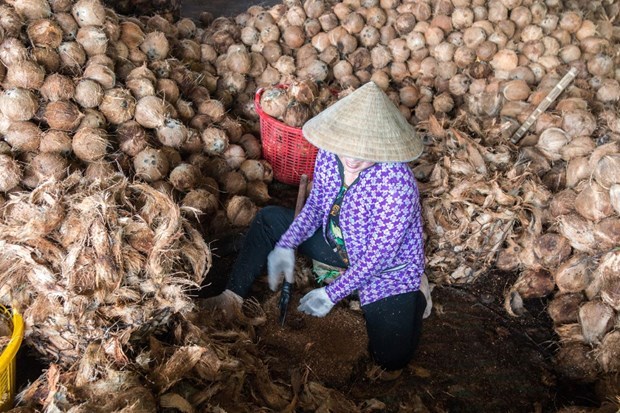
296 101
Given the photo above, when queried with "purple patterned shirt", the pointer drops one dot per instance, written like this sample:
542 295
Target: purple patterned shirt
381 223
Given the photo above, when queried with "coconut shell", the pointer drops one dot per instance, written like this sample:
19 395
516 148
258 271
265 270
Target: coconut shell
57 87
89 13
25 74
564 308
93 119
607 233
101 74
215 140
90 144
607 170
172 133
614 197
88 93
578 231
152 112
552 249
240 211
596 319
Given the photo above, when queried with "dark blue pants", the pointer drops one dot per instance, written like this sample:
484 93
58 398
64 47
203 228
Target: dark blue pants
394 323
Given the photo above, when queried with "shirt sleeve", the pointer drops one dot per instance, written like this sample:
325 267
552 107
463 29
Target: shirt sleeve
396 213
310 218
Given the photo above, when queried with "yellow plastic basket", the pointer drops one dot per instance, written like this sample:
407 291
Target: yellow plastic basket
7 358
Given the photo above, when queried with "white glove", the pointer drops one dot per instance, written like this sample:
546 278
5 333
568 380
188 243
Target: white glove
316 303
280 260
426 290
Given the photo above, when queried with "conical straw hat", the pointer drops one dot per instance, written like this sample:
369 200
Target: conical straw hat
365 125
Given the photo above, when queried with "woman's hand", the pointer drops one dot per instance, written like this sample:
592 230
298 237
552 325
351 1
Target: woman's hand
316 303
280 261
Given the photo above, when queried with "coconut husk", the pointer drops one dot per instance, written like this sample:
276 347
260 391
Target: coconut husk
83 263
596 319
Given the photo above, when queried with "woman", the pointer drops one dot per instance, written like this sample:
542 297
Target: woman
362 215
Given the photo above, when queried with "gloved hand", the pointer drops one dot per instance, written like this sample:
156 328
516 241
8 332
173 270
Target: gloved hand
426 290
280 261
316 303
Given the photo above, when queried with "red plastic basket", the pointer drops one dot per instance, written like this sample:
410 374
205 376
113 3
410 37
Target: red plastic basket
284 147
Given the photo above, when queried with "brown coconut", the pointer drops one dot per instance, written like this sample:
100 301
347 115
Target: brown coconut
258 191
26 74
251 145
10 173
232 182
274 101
18 104
57 87
62 115
155 45
101 74
131 137
151 165
48 165
184 177
240 211
23 136
93 119
118 105
88 93
564 308
172 133
215 140
90 144
152 112
45 33
552 249
607 170
55 141
201 201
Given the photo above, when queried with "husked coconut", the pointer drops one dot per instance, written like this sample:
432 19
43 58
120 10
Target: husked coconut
232 183
131 137
574 274
184 177
118 106
89 13
200 201
152 112
215 140
564 308
88 93
240 211
90 144
49 166
151 165
55 141
18 104
172 133
62 115
593 202
57 87
23 136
